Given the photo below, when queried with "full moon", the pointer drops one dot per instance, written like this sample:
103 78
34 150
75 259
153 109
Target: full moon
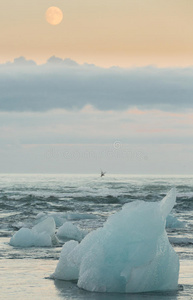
54 15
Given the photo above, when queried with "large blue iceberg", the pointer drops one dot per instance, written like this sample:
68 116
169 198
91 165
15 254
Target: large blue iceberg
131 253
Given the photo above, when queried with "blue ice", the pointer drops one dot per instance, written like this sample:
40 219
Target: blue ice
131 253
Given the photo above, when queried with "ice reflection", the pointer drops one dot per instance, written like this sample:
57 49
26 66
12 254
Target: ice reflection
68 290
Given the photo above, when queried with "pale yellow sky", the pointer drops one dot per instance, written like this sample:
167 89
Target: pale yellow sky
125 33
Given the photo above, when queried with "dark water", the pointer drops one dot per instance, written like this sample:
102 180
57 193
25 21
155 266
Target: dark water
87 200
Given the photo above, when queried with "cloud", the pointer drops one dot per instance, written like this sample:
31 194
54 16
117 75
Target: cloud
93 126
21 62
56 61
64 84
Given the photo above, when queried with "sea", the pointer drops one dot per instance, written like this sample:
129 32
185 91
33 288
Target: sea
87 201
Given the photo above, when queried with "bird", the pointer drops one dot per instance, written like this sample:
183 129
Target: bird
102 173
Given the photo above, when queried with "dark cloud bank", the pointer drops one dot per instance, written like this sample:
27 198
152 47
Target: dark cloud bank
25 86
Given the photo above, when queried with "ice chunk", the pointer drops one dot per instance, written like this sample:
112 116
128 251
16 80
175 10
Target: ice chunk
41 235
173 222
71 270
168 202
58 218
27 238
70 232
131 253
47 226
41 215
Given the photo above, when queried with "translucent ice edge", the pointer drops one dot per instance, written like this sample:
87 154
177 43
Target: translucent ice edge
131 253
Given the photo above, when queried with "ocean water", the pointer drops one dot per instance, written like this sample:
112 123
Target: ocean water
87 201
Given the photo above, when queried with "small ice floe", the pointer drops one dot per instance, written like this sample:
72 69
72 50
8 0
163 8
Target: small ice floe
131 253
173 222
41 215
41 235
25 237
61 218
66 268
69 231
19 225
58 218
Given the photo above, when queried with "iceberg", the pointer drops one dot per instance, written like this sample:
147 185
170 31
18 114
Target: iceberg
131 253
41 235
65 262
25 238
69 231
47 226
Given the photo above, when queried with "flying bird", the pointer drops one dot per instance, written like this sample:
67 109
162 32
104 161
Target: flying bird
102 173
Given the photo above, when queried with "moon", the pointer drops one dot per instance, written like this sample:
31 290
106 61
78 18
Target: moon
54 15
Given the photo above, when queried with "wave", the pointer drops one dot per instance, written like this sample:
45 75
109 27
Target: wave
184 203
62 201
181 240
